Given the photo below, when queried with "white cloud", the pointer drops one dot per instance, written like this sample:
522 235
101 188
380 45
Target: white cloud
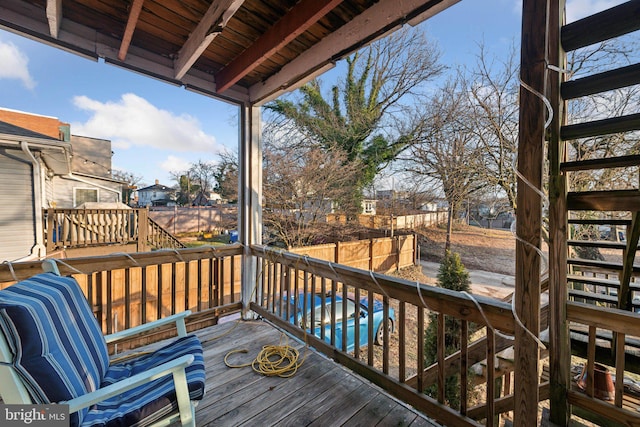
15 65
577 9
175 164
132 121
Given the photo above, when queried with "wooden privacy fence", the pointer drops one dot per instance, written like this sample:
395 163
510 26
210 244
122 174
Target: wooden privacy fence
183 219
403 222
381 255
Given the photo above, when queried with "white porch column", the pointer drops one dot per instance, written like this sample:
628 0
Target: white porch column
249 198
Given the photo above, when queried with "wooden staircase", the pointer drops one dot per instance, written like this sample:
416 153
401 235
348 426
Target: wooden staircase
584 203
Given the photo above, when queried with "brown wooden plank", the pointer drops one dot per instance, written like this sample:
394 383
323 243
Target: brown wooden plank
608 126
271 392
324 384
372 412
398 416
604 163
341 412
605 25
290 26
602 82
531 136
604 409
611 319
597 244
613 200
305 414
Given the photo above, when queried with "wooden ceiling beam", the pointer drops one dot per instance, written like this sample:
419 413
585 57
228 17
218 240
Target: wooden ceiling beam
54 16
295 22
380 19
211 24
132 22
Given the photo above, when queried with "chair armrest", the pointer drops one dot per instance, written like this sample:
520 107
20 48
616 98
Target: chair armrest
177 318
174 366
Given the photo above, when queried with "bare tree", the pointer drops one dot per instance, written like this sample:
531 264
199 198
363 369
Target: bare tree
300 189
446 151
202 174
130 181
492 88
226 176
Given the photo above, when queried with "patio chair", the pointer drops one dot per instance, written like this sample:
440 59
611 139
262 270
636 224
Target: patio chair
52 351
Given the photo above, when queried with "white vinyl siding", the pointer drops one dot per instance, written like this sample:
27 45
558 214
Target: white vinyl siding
17 228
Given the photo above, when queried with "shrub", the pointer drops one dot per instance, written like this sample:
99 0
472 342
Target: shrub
451 275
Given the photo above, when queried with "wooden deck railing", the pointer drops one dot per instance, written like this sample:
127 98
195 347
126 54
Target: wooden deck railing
127 290
612 340
398 365
68 228
82 228
159 238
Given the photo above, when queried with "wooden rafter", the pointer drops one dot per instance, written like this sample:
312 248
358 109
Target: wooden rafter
134 14
54 16
298 20
362 29
211 24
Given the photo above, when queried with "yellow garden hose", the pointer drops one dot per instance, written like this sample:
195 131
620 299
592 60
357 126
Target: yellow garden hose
273 360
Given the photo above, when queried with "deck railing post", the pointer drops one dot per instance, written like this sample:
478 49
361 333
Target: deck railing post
143 229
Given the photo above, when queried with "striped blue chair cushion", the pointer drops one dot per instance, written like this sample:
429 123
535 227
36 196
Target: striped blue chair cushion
58 346
150 402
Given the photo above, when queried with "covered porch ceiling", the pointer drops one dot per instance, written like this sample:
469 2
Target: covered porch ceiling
242 51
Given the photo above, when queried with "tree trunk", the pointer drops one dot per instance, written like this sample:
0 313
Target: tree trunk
447 245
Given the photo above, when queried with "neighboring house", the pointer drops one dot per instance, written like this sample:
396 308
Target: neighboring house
43 166
28 162
369 207
429 207
156 195
89 179
207 199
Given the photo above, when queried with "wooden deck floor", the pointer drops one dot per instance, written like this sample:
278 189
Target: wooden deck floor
321 393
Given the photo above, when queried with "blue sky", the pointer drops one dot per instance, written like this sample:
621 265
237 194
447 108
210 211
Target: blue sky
156 128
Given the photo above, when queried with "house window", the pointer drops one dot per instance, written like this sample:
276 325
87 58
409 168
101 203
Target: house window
83 195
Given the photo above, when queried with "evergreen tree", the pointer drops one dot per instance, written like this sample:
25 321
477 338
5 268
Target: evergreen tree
451 275
364 115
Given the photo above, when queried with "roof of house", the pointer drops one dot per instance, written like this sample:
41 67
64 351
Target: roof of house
55 153
9 129
156 187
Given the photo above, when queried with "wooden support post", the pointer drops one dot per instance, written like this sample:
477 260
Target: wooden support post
529 211
559 340
249 199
